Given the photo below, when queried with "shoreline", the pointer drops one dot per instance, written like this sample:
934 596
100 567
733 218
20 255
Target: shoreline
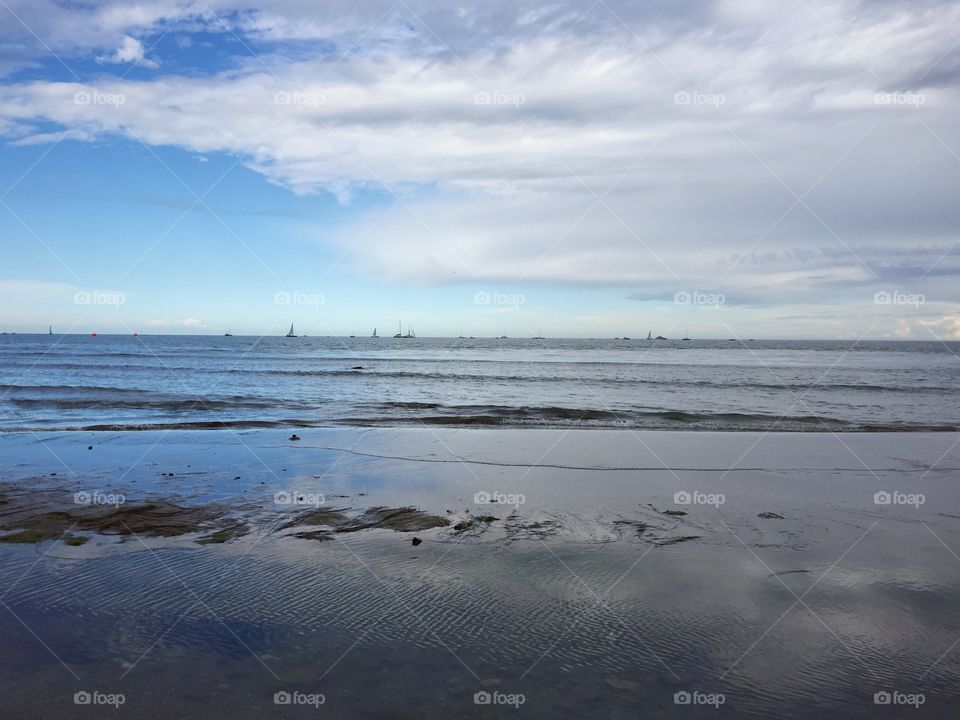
485 424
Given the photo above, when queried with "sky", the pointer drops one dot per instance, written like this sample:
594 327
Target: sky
729 168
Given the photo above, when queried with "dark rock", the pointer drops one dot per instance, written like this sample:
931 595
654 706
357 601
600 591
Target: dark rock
294 437
416 541
675 540
320 535
406 519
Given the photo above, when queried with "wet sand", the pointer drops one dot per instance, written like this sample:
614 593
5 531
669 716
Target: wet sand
399 572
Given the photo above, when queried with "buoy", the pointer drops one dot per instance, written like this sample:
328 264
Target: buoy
93 334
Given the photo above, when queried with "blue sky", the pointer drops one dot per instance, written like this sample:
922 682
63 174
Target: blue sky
748 169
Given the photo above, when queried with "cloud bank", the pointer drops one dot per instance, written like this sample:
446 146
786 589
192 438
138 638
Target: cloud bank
780 153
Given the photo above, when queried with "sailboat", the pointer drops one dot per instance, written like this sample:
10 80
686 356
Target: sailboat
538 336
374 333
228 333
50 332
686 336
649 335
399 330
410 333
291 333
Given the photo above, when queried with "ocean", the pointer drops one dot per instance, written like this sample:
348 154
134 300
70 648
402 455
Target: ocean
113 382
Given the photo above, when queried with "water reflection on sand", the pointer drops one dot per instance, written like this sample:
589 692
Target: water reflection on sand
581 600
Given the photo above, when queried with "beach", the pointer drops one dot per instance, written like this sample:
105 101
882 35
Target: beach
418 360
430 572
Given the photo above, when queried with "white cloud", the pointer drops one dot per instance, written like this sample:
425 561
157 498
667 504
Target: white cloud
129 51
44 138
574 152
27 291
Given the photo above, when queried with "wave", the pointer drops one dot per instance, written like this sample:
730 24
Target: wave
560 416
172 405
575 376
434 414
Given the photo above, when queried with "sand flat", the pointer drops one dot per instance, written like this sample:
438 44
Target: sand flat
591 585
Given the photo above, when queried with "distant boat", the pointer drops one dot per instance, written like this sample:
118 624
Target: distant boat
399 330
291 333
50 332
625 337
649 335
228 334
374 333
686 336
538 336
410 333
